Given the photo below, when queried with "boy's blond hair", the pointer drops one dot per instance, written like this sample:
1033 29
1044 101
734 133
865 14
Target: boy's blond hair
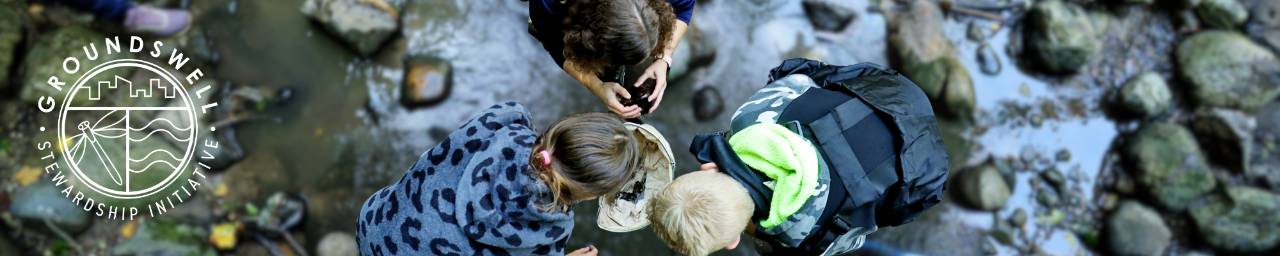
700 212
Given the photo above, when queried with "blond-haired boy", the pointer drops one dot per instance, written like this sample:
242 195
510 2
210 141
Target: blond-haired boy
859 149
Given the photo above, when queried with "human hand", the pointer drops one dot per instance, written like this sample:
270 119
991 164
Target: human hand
708 167
590 250
658 72
609 92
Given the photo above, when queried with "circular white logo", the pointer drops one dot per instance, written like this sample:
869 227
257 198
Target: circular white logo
129 136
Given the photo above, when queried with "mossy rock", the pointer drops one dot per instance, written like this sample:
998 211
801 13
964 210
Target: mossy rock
1169 163
1227 69
46 58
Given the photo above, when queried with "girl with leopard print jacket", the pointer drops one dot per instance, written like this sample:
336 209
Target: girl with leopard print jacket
495 187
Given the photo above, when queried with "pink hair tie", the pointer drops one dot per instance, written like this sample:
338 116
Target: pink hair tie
546 158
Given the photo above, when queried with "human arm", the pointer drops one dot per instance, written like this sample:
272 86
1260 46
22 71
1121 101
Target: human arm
658 69
607 92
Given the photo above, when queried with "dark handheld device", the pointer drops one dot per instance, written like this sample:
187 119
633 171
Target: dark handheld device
639 95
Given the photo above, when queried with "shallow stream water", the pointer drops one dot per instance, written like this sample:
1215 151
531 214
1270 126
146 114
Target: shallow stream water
346 135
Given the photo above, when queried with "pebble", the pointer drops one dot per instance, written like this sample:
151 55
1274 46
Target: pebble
988 60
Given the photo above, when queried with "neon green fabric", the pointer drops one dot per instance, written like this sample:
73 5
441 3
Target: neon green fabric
784 156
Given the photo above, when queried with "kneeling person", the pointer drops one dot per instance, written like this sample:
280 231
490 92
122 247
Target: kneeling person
813 162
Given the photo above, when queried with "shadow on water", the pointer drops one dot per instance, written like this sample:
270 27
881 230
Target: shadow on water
346 135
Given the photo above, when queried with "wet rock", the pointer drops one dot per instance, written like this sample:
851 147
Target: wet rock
42 202
1226 69
1054 178
707 103
1135 229
1264 22
928 58
1227 135
829 15
982 188
1169 164
427 81
932 234
363 24
1062 155
10 36
1047 196
163 237
1003 232
988 60
1223 14
1242 221
958 96
1018 218
1060 36
975 32
1145 95
337 244
694 51
48 52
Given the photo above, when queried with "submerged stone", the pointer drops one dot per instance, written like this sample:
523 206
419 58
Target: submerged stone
1242 221
1227 69
427 81
707 103
1227 135
1264 22
988 60
363 24
983 188
829 15
164 237
1135 229
1169 164
1223 14
43 202
1145 95
1060 36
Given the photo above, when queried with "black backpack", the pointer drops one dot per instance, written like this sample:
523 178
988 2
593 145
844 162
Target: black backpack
896 169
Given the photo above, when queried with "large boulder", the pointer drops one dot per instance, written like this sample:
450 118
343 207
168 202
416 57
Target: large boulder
1242 221
929 59
982 188
1145 95
1060 36
10 36
365 25
1167 161
1223 14
46 57
1226 69
1135 229
1227 135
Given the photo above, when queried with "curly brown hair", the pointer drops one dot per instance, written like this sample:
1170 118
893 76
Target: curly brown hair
604 33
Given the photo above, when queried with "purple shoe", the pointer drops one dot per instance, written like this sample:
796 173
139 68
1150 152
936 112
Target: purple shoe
156 21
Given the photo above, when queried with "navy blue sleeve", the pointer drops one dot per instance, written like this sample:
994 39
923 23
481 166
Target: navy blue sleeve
683 9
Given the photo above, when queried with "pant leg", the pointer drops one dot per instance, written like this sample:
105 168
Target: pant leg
104 9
